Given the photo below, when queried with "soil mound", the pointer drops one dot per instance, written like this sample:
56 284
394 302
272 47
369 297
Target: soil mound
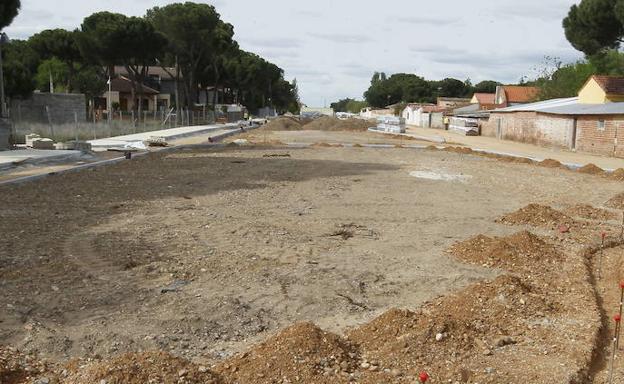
302 353
586 211
536 215
591 169
453 332
326 123
618 174
519 251
616 201
18 368
283 124
140 368
550 163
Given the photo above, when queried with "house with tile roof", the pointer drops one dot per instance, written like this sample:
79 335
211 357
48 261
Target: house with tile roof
508 95
602 89
484 100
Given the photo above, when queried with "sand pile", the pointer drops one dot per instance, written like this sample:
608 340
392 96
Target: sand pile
521 251
464 150
586 211
18 368
591 169
283 124
141 368
550 163
616 201
302 353
536 215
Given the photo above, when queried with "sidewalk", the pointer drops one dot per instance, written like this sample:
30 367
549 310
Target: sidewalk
167 134
512 148
10 159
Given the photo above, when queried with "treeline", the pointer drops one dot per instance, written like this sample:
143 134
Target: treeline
188 40
410 88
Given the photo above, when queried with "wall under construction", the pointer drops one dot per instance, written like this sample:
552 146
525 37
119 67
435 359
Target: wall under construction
50 108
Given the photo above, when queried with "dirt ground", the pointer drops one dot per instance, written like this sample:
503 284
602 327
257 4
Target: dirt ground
203 253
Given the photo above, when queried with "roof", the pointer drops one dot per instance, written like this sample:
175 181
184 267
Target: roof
151 71
419 105
457 99
433 108
122 84
520 94
612 85
567 106
485 98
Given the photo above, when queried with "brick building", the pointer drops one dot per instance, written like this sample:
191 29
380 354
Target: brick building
563 123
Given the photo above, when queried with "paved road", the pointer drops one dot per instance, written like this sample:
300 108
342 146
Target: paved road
535 152
9 159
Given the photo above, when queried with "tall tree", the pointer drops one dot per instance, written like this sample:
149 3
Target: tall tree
486 86
594 25
8 10
60 44
191 30
130 41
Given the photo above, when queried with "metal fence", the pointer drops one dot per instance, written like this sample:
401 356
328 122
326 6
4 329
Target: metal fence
120 123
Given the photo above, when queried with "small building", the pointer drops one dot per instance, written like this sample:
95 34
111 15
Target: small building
316 110
509 95
484 101
602 89
424 115
121 94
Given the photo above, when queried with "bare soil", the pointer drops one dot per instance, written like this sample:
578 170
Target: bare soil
202 254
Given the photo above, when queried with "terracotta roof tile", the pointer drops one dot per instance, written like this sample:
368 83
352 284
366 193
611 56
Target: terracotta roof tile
612 85
124 85
520 94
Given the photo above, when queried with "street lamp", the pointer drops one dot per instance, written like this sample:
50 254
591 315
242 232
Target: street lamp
3 108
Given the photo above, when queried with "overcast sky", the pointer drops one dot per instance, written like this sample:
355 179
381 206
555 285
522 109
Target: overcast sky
333 47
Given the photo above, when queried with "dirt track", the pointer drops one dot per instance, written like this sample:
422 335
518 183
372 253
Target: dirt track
202 253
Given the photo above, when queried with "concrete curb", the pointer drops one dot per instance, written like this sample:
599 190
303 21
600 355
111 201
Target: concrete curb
217 138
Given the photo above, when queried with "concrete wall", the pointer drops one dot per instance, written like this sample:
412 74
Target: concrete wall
60 106
532 128
5 131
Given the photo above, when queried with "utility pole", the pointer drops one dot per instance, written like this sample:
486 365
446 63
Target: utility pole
3 107
109 105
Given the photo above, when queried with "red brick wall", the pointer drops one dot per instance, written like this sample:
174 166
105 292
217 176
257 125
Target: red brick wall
590 139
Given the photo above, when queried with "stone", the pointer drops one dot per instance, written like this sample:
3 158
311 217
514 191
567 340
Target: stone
439 337
487 352
365 365
43 380
182 372
504 340
44 143
396 372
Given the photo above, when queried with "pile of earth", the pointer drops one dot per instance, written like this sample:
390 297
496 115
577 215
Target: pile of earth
586 211
302 353
550 163
591 169
18 368
618 174
520 251
538 216
140 368
616 201
283 123
455 338
323 123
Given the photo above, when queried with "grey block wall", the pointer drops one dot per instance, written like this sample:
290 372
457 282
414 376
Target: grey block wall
60 108
5 131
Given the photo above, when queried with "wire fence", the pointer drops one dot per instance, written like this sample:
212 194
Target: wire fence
120 123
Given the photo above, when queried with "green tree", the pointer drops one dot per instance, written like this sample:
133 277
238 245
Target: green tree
52 70
8 10
194 32
19 64
486 86
59 44
400 87
131 41
595 25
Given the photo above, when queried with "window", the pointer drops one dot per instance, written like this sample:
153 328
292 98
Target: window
601 125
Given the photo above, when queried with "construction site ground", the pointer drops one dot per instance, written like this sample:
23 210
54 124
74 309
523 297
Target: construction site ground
261 263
